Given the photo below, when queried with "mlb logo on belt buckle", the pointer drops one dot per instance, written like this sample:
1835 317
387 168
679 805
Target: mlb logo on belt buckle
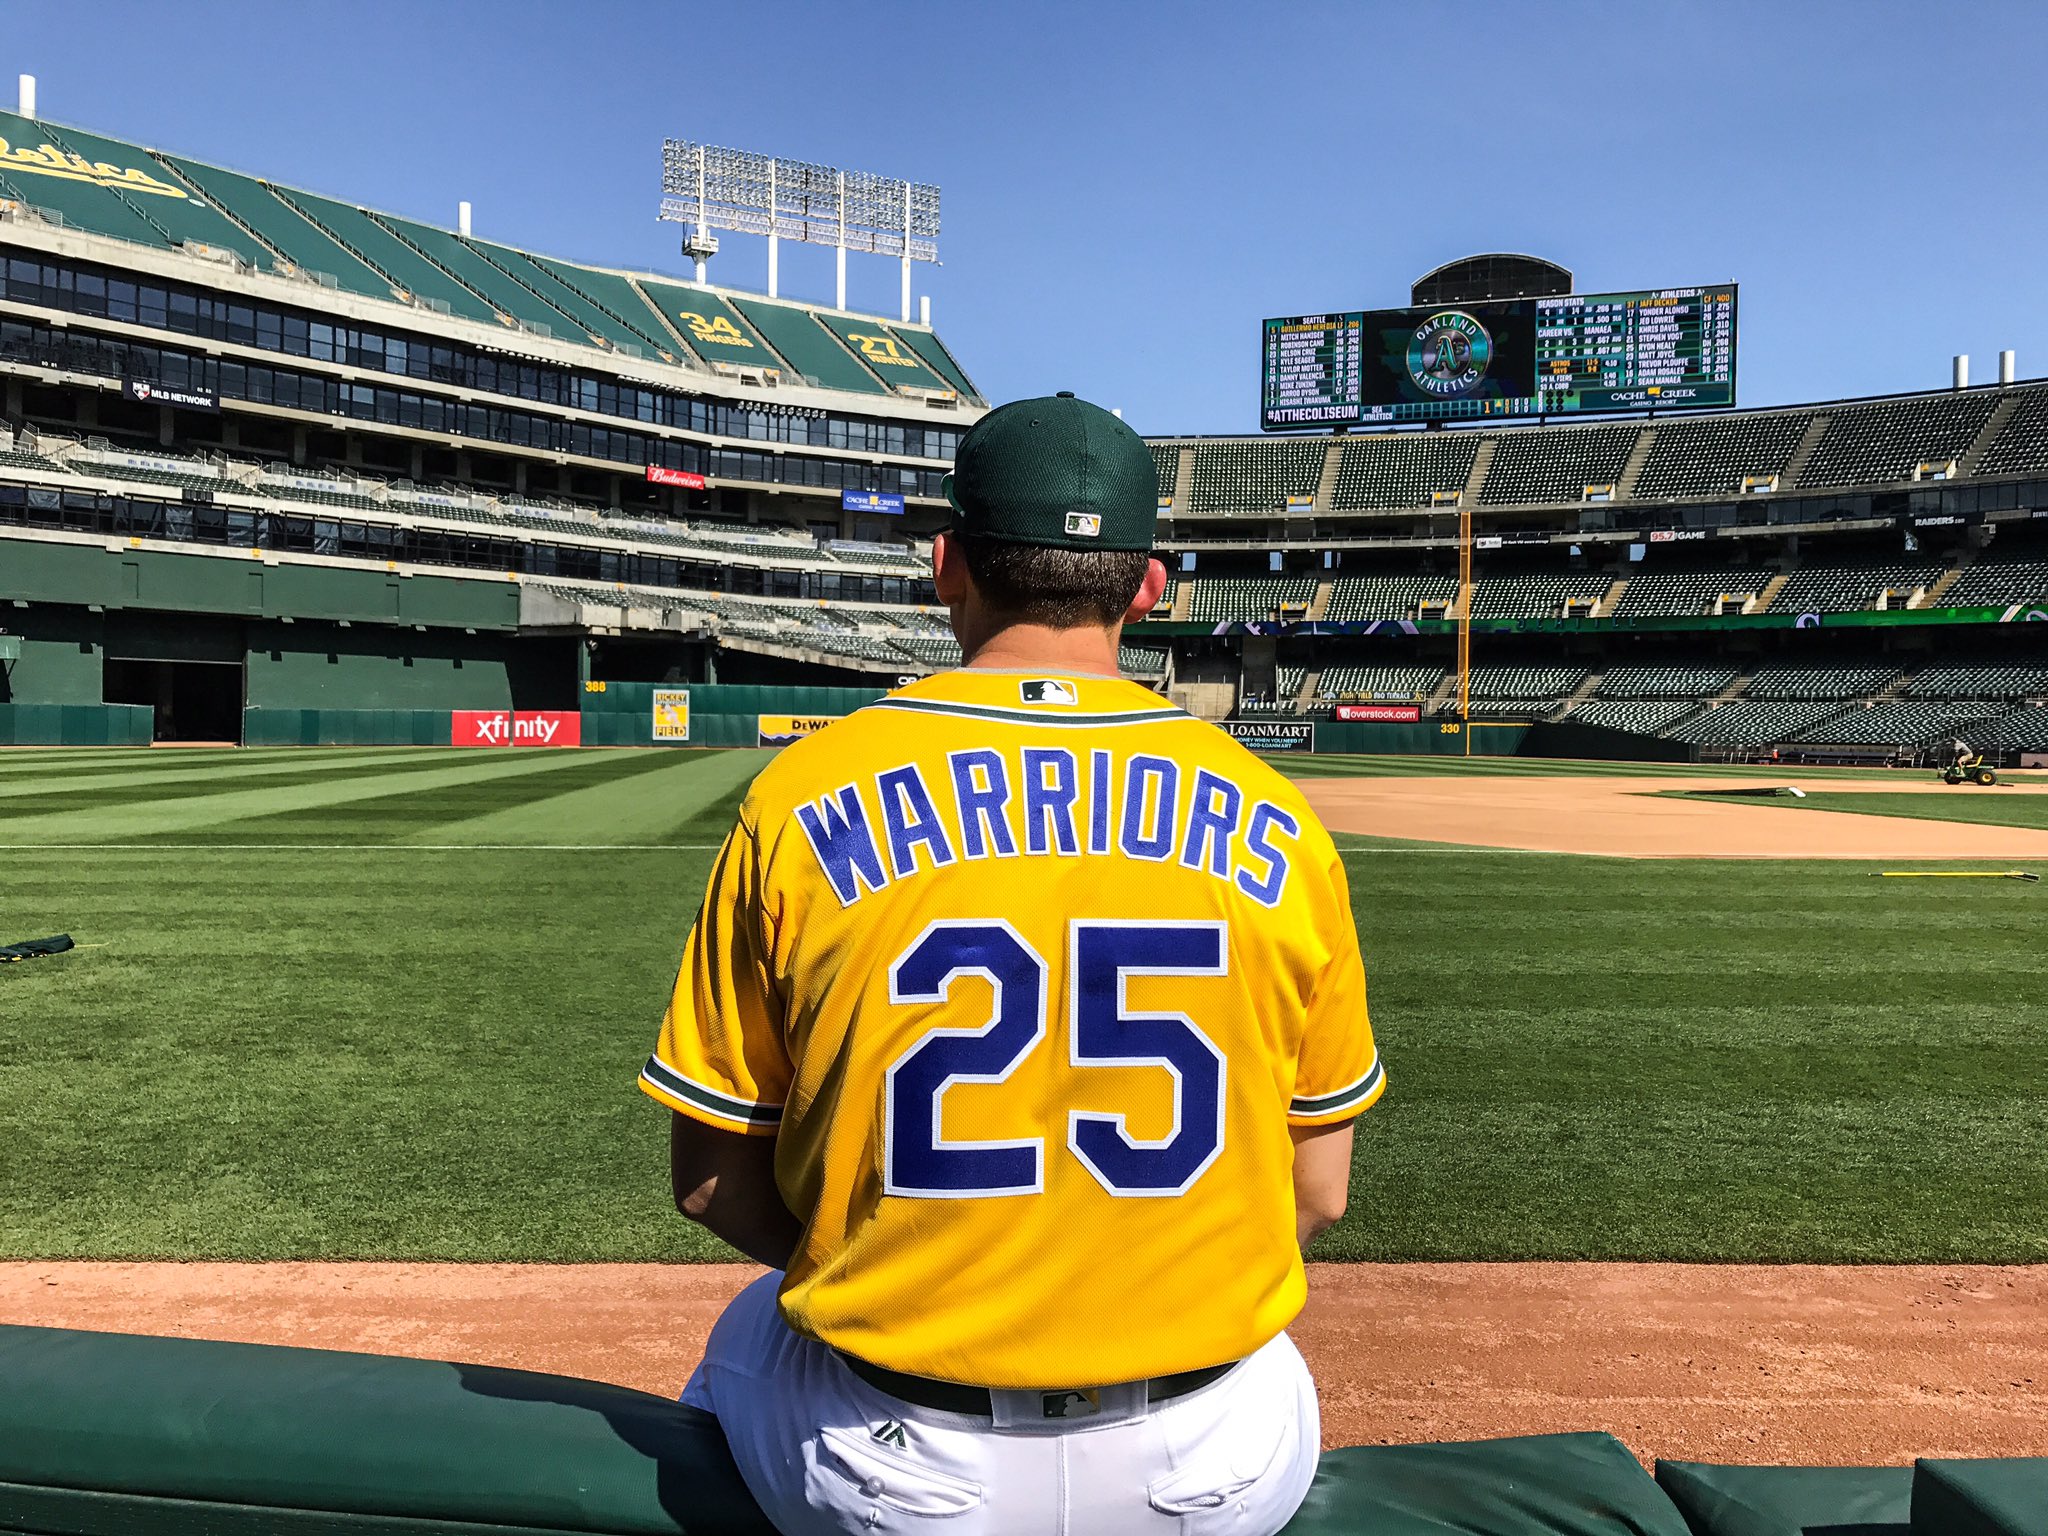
1072 1405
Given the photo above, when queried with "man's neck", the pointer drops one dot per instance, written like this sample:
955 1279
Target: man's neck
1037 648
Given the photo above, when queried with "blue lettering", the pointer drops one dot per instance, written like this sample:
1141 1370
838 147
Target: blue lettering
1099 808
1151 791
1213 808
839 836
1050 803
911 820
981 788
1267 888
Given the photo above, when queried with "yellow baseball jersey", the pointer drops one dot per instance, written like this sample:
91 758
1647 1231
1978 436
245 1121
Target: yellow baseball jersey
1029 976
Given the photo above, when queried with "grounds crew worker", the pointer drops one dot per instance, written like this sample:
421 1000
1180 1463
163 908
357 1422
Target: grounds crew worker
1021 1032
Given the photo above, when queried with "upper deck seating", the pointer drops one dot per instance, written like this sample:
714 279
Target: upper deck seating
305 245
603 305
1535 596
1553 464
812 350
942 362
498 290
2021 446
1888 440
1219 599
1356 599
1165 464
2014 682
1531 683
1846 589
1253 475
891 359
1712 455
355 228
1663 592
1402 470
1994 583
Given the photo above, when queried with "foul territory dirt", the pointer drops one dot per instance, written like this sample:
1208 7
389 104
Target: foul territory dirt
1629 817
1707 1362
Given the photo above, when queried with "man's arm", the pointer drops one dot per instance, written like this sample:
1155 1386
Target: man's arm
1322 1176
725 1182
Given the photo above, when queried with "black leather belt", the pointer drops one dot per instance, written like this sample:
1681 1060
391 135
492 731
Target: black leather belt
952 1397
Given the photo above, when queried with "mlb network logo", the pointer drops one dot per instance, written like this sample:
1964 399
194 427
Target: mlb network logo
515 728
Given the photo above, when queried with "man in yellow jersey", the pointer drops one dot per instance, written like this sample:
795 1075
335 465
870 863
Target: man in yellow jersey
1021 1033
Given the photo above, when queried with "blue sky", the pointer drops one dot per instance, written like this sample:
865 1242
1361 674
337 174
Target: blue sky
1129 186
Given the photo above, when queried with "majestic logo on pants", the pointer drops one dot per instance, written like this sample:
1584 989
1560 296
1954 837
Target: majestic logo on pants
1072 1405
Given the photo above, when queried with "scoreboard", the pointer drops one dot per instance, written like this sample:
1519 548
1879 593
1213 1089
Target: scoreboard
1654 350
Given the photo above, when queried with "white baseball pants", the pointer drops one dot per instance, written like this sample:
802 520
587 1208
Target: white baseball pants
823 1451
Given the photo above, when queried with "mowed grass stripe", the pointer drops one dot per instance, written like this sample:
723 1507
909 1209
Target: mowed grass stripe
197 813
80 792
410 812
667 799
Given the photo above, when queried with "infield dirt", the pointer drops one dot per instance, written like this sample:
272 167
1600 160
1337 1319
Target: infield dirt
1637 817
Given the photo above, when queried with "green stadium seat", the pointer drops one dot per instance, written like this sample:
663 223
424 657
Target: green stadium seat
1849 589
1532 464
179 216
1408 469
1662 592
1536 596
1789 1501
1663 682
814 352
1994 1497
1890 439
1254 475
1714 455
1817 682
1643 717
360 233
1901 723
500 291
892 359
603 303
1396 683
2021 446
309 248
942 362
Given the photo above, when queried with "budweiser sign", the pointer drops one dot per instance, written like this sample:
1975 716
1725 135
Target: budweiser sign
658 475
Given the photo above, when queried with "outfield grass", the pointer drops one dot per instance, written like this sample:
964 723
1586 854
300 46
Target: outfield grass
1998 807
390 1004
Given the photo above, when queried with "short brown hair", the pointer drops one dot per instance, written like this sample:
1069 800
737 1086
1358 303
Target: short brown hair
1058 588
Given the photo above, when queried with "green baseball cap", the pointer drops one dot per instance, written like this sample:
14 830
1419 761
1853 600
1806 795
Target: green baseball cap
1055 471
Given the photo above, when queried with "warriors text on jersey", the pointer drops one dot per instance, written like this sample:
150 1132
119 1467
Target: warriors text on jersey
1029 975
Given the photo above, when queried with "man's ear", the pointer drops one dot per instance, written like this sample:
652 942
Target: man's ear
949 569
1148 592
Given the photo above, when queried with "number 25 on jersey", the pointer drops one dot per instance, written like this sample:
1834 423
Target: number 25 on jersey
1101 1031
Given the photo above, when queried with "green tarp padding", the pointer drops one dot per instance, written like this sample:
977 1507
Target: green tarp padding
1789 1501
35 949
106 1433
1534 1485
1995 1497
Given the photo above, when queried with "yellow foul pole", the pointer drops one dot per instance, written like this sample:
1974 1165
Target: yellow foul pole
1465 625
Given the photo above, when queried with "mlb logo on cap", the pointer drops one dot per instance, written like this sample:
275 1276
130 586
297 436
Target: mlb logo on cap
1047 690
1084 525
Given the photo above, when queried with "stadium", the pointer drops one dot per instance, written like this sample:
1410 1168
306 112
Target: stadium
325 495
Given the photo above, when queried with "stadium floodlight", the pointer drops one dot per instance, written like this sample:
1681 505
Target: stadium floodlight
707 187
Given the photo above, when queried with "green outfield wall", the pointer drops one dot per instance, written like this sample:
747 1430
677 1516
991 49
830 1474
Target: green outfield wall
719 714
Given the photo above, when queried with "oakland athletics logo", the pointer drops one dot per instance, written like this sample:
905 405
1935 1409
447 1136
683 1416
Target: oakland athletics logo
1448 353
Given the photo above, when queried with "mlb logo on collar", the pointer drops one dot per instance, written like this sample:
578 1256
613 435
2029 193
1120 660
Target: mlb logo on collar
1047 690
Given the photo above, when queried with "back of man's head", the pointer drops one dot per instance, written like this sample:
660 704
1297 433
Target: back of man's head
1056 501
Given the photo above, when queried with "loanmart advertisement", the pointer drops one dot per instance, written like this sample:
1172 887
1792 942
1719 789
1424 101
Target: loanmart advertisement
515 728
1274 735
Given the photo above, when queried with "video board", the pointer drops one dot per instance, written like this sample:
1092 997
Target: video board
1660 349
